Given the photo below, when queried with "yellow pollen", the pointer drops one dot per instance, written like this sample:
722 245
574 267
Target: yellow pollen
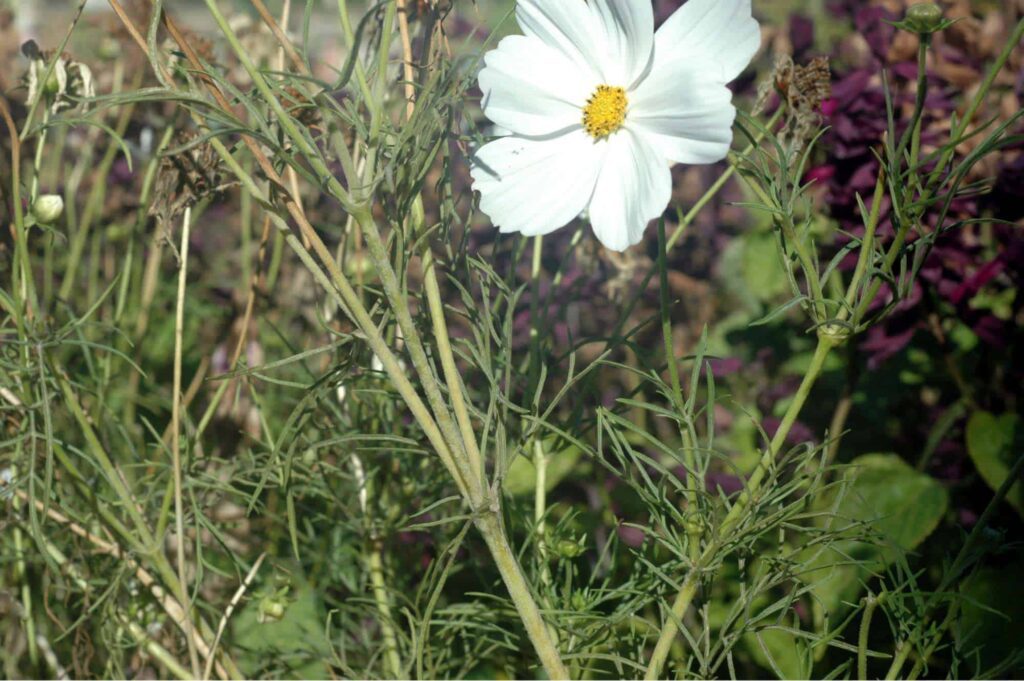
605 111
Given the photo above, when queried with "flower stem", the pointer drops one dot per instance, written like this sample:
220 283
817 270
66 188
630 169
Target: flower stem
179 511
490 526
732 519
380 596
870 603
693 531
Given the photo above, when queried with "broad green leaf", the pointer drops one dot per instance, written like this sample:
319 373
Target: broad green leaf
899 504
993 443
521 478
296 642
989 628
761 270
781 652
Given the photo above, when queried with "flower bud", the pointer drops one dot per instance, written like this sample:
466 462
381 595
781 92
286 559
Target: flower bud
924 18
48 208
417 215
271 609
110 49
567 548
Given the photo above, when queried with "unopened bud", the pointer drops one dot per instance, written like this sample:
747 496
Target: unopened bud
48 208
271 609
567 548
417 216
925 18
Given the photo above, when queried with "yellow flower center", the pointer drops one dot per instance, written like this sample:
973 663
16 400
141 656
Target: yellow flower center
605 111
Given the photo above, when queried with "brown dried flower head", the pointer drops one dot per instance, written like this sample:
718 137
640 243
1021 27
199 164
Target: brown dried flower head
64 87
185 178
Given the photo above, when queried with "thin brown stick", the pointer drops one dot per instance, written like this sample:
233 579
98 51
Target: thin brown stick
235 600
170 605
281 34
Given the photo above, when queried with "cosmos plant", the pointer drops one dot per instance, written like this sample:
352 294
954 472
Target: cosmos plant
358 481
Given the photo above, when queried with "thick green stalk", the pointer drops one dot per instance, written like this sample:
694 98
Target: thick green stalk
380 595
456 392
490 526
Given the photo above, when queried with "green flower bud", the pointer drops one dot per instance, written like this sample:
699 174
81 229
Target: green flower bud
272 609
48 208
924 18
417 216
53 86
567 548
110 49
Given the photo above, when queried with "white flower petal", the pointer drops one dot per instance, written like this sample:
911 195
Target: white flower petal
533 89
721 34
684 115
634 188
629 35
568 26
534 186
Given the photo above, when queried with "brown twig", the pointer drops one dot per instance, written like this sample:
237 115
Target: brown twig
170 605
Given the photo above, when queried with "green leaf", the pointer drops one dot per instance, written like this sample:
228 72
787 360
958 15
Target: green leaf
295 643
989 628
902 504
785 654
764 277
993 443
521 478
889 498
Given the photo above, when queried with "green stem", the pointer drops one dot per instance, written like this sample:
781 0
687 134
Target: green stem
920 100
979 99
179 511
490 526
693 530
456 391
870 603
380 595
732 519
867 247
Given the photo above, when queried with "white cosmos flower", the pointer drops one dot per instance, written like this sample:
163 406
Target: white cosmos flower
600 107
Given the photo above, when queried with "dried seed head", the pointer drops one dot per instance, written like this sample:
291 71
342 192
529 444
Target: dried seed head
62 87
185 178
804 88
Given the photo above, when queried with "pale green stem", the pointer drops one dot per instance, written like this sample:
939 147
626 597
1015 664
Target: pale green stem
867 247
490 526
179 511
689 587
380 595
870 603
693 530
40 145
451 371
